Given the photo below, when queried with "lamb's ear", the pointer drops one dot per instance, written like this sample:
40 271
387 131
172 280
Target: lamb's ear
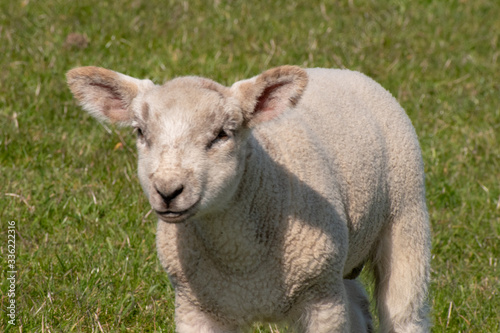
267 95
105 94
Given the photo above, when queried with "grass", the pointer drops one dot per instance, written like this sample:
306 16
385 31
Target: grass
85 249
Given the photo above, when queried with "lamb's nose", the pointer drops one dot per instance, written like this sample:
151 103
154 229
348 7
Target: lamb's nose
170 195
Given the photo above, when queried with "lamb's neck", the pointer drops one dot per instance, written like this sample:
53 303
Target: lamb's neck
249 224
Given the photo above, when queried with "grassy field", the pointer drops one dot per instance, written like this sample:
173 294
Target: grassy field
85 244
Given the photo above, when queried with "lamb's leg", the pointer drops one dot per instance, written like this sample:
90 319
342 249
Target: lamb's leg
189 319
323 315
401 265
359 307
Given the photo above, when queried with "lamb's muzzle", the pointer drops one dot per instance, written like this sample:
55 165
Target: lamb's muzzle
169 196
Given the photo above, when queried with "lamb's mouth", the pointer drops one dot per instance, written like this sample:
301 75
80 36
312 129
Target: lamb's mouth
171 216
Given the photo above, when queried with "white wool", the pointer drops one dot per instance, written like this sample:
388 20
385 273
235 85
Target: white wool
272 192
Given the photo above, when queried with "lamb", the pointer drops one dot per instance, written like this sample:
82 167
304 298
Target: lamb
271 192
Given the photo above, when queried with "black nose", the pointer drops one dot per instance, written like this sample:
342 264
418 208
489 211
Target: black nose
171 195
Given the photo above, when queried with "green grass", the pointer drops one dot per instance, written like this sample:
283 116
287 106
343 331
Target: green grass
85 246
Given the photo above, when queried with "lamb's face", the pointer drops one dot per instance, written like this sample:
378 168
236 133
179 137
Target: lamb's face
191 132
190 142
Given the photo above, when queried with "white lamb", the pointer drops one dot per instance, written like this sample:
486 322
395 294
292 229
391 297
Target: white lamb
272 191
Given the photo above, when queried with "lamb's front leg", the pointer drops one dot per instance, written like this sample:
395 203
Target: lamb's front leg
326 314
190 319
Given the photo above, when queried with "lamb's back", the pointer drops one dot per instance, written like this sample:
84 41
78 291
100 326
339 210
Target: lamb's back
349 141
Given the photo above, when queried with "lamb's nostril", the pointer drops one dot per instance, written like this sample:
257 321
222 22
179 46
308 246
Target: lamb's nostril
168 197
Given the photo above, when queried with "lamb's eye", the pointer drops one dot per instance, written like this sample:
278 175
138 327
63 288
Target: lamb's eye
140 133
221 136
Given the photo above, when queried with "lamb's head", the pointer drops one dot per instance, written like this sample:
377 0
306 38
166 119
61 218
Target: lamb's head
191 132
